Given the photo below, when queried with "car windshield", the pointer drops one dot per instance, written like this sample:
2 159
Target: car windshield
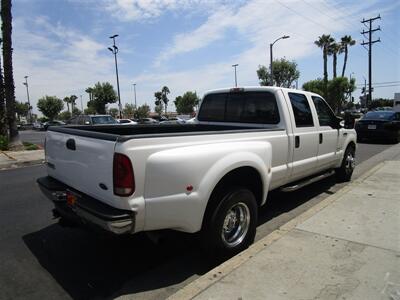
103 120
379 115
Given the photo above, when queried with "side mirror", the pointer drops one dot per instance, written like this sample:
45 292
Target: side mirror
338 123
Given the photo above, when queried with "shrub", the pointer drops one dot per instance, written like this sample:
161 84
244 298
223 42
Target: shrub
3 143
30 146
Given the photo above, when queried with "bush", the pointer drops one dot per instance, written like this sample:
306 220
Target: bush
3 143
30 146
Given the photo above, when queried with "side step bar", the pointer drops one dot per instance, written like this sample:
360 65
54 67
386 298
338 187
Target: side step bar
302 183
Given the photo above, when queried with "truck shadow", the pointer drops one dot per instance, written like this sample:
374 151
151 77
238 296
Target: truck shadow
89 266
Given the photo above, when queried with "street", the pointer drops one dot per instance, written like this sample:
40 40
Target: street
42 260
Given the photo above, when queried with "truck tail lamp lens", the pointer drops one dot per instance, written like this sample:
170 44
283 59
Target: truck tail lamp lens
124 179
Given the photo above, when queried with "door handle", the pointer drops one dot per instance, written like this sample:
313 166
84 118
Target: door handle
70 144
321 138
296 141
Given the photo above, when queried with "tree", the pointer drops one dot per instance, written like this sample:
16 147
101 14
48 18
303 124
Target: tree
21 109
164 93
72 100
285 73
334 49
76 111
89 90
50 106
89 111
102 94
64 116
66 100
129 110
324 42
158 103
9 88
114 112
3 121
142 111
338 90
346 41
184 104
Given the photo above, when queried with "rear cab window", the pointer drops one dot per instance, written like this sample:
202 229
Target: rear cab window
240 107
301 110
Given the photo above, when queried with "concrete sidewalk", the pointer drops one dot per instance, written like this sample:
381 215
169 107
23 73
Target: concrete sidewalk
14 159
346 247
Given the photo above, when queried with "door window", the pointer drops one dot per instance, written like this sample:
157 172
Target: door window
301 110
326 116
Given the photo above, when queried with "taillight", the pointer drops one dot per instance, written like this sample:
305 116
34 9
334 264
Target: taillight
124 180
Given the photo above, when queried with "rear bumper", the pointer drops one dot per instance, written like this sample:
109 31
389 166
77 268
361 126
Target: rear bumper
86 209
377 134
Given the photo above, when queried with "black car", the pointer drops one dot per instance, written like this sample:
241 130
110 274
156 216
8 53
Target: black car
384 125
46 125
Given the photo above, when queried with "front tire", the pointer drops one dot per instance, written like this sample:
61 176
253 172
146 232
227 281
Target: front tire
230 223
345 171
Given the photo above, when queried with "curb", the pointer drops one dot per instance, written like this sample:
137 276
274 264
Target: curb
202 283
19 164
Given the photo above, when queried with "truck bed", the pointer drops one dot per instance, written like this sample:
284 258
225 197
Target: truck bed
126 132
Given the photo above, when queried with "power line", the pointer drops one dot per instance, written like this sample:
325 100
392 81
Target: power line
380 83
370 42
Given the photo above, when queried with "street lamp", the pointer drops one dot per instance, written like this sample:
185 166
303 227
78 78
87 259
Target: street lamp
134 91
29 103
271 58
235 65
81 104
114 50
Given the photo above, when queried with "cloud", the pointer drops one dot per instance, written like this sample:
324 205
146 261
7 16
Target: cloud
58 60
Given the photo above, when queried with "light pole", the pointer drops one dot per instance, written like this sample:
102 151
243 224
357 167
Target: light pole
27 95
235 65
271 57
114 51
81 104
134 92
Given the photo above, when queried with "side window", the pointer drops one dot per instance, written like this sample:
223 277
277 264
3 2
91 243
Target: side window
301 110
326 116
213 108
260 108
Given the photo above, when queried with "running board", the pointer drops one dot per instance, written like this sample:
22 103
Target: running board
303 183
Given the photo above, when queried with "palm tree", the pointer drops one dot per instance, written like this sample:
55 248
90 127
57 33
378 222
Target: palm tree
324 41
164 92
66 100
9 88
89 90
334 49
72 100
346 41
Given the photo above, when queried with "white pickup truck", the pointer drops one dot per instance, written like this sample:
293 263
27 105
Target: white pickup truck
209 177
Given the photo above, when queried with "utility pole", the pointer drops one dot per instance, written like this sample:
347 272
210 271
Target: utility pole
134 91
351 99
370 42
27 95
235 65
114 50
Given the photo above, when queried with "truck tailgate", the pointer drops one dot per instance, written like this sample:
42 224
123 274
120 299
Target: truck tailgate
83 163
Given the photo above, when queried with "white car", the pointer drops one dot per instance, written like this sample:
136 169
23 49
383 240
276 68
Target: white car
210 177
126 122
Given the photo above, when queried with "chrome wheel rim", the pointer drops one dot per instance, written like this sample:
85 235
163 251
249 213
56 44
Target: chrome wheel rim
350 162
236 224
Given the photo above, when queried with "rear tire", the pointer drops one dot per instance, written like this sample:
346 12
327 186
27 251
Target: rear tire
230 223
345 171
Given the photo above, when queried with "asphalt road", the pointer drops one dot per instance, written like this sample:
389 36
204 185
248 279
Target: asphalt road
42 260
33 136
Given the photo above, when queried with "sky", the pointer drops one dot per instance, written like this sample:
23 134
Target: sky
191 45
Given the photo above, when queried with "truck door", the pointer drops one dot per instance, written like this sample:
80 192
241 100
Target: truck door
305 137
328 134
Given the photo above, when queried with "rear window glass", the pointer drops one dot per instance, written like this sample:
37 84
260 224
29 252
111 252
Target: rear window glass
245 107
380 115
301 110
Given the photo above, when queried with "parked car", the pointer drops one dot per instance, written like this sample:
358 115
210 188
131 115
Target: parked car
211 177
47 124
92 120
38 126
383 125
174 120
126 122
148 121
